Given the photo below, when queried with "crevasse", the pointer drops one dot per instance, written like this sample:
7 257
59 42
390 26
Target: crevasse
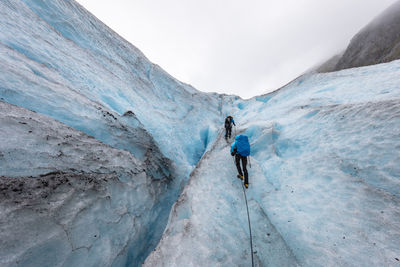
97 144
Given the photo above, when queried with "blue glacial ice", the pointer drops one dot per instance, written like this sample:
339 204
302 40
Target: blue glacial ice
97 143
72 199
59 60
324 181
83 74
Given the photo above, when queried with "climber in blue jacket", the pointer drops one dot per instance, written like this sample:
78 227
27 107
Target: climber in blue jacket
241 150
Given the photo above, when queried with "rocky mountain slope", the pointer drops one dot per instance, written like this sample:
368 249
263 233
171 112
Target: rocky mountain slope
378 42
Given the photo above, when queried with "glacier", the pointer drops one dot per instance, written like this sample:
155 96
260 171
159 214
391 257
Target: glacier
107 160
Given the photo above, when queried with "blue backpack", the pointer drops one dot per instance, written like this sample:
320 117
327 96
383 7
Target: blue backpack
242 145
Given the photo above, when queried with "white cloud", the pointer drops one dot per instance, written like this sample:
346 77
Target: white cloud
239 47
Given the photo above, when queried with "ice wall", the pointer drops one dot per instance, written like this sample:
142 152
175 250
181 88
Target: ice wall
72 200
59 60
327 149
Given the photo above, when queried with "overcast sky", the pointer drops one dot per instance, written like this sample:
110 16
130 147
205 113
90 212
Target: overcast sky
237 47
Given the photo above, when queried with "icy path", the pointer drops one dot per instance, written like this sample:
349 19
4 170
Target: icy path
208 225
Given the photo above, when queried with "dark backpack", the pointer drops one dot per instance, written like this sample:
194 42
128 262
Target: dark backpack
227 122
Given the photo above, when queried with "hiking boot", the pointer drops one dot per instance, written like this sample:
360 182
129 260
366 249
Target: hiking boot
246 185
240 176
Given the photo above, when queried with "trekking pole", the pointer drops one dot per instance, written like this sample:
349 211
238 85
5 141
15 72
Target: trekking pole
249 162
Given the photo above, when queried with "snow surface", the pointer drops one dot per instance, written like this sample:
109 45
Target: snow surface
96 144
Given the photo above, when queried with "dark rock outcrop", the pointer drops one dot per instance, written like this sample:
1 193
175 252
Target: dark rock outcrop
378 42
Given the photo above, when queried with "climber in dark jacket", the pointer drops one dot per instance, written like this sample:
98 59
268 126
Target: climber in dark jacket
241 150
228 126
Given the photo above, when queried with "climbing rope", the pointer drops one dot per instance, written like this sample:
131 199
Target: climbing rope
248 217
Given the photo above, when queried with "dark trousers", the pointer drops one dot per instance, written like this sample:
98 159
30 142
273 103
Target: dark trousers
239 158
228 132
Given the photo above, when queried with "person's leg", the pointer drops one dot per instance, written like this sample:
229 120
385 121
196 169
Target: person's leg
226 132
237 160
229 132
246 175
